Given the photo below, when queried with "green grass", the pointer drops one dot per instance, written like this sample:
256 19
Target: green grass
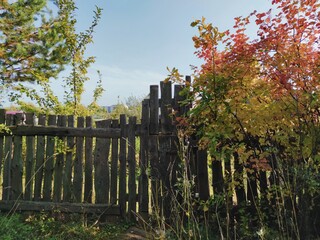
42 226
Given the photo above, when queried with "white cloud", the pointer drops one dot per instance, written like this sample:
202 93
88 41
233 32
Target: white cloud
122 83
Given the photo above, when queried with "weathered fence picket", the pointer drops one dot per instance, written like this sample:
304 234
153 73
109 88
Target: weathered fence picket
67 177
29 165
49 163
143 191
132 167
40 160
6 181
78 164
114 166
2 122
101 165
88 178
123 167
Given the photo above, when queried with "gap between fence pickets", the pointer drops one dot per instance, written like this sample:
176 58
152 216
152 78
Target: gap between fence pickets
36 206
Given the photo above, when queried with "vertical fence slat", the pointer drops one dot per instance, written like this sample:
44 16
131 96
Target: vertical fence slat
58 169
123 166
114 165
166 107
203 180
88 165
217 176
153 148
6 190
17 163
143 178
132 167
67 182
2 121
101 165
155 175
154 110
30 159
165 145
252 192
78 164
238 178
49 163
40 155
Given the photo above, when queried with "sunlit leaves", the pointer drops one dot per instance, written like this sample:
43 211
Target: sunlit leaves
261 93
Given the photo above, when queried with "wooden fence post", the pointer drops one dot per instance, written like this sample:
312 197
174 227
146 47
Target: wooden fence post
123 167
132 168
143 178
202 172
6 194
101 165
166 166
49 163
238 178
78 164
114 165
58 171
153 149
40 155
30 159
2 121
88 178
17 163
67 176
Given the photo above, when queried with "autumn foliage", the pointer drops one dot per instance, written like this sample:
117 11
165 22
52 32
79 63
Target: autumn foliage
258 98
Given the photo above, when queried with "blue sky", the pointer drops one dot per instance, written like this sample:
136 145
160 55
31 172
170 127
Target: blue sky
137 39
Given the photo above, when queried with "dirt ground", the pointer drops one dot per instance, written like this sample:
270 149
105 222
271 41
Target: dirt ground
134 233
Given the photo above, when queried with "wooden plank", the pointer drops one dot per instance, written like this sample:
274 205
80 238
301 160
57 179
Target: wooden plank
179 99
6 185
2 121
58 168
17 163
132 168
49 163
252 192
123 166
263 186
155 174
143 178
101 166
88 178
165 160
99 209
166 107
40 155
78 164
154 110
30 160
114 166
67 177
217 176
30 130
238 179
203 180
165 172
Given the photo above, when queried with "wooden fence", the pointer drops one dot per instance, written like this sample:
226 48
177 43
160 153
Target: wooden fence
114 167
78 165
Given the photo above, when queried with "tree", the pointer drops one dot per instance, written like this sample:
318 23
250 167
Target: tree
32 42
131 107
259 98
59 42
